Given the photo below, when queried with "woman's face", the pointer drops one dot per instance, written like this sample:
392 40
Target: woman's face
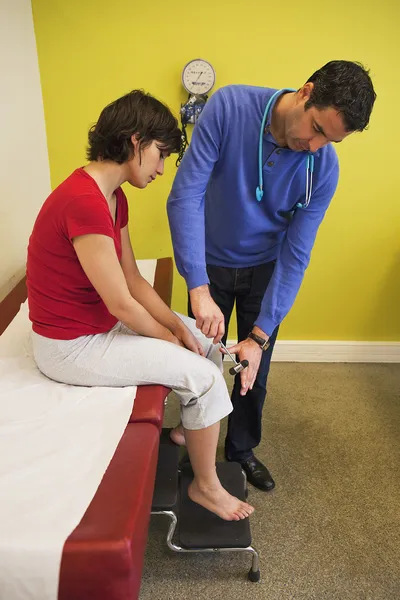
144 167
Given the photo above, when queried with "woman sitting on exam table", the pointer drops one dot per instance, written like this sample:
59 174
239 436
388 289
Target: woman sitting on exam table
95 320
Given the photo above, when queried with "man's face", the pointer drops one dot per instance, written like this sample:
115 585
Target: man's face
311 129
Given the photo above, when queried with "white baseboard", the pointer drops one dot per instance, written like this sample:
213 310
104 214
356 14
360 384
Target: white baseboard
352 352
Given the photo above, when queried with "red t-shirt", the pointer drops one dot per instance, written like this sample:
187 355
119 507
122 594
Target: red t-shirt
63 304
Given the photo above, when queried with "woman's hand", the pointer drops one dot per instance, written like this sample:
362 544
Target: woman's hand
190 341
185 338
170 337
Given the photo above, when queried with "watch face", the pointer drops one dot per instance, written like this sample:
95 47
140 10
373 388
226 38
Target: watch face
198 76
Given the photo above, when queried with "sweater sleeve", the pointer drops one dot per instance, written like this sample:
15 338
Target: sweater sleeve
185 204
294 255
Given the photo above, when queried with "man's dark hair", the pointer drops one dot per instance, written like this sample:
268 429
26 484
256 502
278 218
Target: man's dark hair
136 113
347 87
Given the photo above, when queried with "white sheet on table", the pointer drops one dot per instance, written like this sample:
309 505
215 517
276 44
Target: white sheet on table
147 268
56 441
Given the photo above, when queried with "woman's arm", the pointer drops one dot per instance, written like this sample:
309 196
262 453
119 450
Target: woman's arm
97 256
146 295
141 290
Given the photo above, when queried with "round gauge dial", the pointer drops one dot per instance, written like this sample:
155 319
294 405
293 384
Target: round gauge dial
198 76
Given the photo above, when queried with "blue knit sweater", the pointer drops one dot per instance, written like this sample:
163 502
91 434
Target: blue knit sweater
212 208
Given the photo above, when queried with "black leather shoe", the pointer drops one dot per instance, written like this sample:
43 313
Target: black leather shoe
258 474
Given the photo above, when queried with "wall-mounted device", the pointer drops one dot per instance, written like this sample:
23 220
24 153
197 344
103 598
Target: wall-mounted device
198 78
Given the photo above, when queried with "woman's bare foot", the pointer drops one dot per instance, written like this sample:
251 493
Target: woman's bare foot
217 500
177 435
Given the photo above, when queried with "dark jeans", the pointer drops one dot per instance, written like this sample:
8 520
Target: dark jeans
246 286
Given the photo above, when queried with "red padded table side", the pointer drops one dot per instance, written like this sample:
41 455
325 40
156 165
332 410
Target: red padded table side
103 557
149 405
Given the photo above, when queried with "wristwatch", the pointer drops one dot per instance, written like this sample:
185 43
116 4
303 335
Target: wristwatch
263 343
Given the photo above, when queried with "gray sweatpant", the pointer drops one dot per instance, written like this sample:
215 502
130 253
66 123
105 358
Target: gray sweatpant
121 358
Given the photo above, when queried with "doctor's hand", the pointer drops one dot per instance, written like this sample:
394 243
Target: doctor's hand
209 318
250 351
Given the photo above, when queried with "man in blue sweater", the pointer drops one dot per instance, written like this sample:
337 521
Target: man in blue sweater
244 210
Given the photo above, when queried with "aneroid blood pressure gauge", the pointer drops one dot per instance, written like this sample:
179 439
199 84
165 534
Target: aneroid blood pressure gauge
198 76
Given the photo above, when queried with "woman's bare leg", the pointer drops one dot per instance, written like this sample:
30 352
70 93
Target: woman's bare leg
177 435
206 488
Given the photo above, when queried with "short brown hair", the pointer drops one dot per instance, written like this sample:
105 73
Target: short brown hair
347 87
136 113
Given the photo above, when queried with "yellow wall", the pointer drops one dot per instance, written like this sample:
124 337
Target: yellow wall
92 51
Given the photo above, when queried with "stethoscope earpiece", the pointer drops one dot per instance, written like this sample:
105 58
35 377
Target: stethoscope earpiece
310 157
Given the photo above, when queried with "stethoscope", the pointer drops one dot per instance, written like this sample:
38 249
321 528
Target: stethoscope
309 160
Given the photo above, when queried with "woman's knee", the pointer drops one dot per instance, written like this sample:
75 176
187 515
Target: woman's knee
197 375
210 404
212 378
